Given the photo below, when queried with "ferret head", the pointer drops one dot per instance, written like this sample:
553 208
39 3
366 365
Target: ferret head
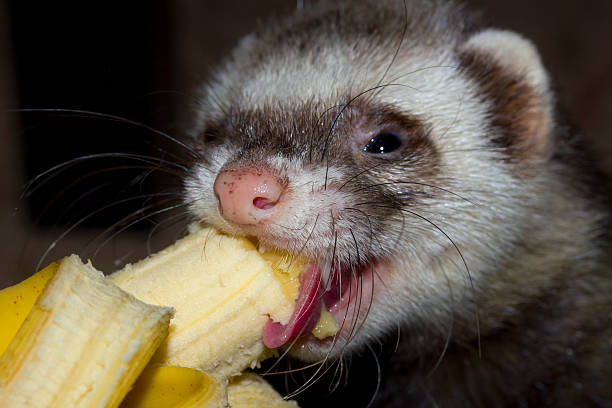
395 146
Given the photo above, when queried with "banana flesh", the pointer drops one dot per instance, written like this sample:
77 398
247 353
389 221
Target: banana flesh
251 391
223 292
85 340
83 344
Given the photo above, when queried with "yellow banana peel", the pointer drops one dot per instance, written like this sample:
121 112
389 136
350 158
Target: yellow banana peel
222 292
175 387
16 302
83 343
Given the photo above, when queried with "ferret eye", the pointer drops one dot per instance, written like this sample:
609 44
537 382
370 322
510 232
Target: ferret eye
382 143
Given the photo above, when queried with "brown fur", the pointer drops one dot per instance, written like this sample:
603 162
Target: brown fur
516 107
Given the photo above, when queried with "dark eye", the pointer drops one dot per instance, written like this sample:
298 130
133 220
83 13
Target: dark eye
382 143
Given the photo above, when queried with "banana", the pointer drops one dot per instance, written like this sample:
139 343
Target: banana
17 301
176 387
83 344
249 390
223 292
181 387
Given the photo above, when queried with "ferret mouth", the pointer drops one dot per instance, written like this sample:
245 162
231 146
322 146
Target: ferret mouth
346 295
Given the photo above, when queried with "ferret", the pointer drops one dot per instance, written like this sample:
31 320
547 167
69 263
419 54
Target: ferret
454 224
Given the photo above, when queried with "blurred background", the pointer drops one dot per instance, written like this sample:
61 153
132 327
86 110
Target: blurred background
99 78
104 80
94 85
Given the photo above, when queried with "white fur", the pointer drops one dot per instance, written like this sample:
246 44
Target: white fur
426 282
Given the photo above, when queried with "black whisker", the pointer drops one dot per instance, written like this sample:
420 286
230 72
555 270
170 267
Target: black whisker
423 69
399 45
350 179
339 115
371 228
418 184
467 269
358 262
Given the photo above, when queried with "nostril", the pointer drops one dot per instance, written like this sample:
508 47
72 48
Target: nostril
263 203
247 196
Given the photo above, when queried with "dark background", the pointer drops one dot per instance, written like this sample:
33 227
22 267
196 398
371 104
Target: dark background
141 61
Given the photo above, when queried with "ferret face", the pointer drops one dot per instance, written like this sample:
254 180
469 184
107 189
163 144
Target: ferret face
363 138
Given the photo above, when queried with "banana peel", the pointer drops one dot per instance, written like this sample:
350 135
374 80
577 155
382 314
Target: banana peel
252 289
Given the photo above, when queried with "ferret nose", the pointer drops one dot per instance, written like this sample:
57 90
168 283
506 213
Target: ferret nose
247 196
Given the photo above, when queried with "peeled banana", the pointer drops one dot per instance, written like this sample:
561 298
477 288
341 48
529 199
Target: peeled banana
83 344
223 292
251 391
176 387
85 340
17 301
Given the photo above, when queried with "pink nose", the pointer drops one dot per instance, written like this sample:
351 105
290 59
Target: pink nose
247 196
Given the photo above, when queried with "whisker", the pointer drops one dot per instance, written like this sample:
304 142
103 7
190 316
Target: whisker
357 175
57 169
356 247
83 219
369 307
339 115
337 377
309 236
74 202
399 45
467 269
456 118
423 69
372 235
397 342
378 377
356 307
143 218
418 184
444 349
108 117
163 152
170 220
123 220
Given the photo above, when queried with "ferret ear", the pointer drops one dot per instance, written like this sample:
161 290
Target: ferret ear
511 77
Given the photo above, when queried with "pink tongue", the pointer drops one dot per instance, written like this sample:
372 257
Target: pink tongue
305 315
